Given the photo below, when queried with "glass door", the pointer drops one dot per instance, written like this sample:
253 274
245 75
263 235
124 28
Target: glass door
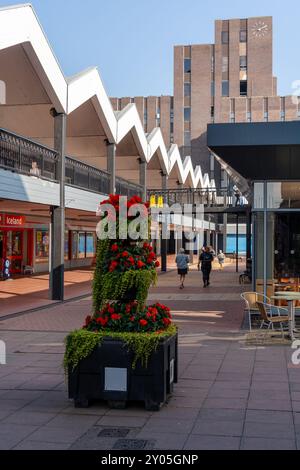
14 250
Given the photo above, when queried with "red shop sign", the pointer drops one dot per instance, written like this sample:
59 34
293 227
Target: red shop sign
14 220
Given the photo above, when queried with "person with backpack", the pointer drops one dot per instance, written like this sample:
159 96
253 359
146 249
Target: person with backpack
206 258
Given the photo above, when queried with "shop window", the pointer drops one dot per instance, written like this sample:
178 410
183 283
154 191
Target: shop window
41 245
66 245
81 245
74 245
90 245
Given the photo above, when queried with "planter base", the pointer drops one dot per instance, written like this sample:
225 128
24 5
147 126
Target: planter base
107 374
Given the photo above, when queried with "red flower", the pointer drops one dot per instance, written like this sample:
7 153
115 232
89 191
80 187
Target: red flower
152 255
157 264
143 322
140 264
115 316
113 266
166 321
88 320
125 254
131 260
102 321
114 247
131 319
111 310
149 315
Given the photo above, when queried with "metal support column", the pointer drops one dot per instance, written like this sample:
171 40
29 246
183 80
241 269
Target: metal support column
111 166
164 242
57 227
265 234
237 244
143 178
248 234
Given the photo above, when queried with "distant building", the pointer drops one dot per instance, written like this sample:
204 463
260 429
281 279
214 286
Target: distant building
229 81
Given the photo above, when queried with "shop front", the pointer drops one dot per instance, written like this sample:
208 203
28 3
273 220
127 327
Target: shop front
276 211
16 243
264 160
25 246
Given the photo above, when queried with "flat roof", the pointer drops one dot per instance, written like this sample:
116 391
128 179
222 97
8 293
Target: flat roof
260 150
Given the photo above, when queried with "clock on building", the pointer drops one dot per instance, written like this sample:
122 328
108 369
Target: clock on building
260 29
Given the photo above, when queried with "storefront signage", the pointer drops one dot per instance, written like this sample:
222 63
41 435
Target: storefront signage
14 220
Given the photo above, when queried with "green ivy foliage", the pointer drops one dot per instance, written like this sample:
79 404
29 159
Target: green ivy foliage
81 343
114 285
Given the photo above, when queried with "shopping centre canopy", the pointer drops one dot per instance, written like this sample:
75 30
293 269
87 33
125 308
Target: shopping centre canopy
257 151
34 83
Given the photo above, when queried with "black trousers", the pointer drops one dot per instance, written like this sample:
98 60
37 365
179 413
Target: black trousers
206 273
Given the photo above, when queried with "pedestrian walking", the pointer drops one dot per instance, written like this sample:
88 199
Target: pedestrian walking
206 258
182 261
221 259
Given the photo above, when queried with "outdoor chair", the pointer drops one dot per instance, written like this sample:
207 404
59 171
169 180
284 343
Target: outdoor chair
251 299
272 315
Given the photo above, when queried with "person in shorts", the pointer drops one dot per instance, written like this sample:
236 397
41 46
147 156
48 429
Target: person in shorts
182 261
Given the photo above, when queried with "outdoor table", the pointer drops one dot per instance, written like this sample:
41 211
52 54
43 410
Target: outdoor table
290 297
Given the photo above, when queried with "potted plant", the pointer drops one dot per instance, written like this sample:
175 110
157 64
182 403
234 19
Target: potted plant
126 350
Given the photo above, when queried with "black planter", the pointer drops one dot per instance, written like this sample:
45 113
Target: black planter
107 374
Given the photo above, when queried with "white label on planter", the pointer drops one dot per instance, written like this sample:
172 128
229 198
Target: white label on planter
172 371
115 379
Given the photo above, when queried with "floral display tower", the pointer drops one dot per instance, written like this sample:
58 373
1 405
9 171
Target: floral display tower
126 350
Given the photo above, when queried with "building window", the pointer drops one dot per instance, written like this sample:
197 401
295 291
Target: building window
225 88
243 88
187 89
187 139
243 62
171 127
232 117
249 116
224 64
187 114
212 111
282 115
243 36
212 63
212 88
266 116
225 37
187 65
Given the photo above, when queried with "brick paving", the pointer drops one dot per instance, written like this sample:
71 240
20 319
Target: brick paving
32 292
230 395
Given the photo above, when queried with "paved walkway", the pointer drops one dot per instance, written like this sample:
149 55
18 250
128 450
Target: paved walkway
230 395
26 293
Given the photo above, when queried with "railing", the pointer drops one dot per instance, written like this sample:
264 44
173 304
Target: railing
27 157
24 156
85 176
127 188
207 197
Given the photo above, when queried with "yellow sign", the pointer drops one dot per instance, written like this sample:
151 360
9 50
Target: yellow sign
160 202
153 200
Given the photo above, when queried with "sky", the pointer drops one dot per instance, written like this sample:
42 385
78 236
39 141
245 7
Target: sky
131 41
